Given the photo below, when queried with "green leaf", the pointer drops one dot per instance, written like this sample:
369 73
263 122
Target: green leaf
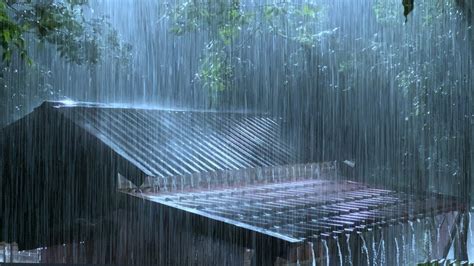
309 11
7 55
6 35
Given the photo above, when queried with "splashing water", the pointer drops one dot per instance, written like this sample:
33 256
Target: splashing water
313 256
365 249
413 240
438 231
397 257
428 245
470 227
404 246
349 250
339 251
382 256
374 250
326 249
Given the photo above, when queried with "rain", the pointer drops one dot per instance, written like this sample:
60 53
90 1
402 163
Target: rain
237 132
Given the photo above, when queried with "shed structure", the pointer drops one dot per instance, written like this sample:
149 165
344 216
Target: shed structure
63 164
151 180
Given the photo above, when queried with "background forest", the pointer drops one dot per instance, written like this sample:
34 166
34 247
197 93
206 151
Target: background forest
355 79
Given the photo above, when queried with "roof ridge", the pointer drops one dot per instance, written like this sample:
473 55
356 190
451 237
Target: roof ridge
83 104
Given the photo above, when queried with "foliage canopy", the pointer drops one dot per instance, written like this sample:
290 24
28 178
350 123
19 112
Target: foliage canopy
227 21
65 24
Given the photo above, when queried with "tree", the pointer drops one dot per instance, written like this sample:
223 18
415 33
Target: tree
66 26
230 25
61 23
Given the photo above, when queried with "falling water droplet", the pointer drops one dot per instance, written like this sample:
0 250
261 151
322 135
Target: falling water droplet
349 250
339 251
326 250
365 249
397 256
374 250
413 240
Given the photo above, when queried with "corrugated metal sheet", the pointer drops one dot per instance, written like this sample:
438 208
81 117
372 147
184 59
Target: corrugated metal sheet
306 205
168 143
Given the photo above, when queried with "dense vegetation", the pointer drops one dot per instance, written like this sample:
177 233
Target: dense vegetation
64 26
373 98
403 132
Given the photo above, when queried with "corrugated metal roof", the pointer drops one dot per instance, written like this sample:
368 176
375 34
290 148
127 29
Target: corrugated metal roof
169 143
308 208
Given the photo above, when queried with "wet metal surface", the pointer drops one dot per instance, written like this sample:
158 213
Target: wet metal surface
306 209
169 143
